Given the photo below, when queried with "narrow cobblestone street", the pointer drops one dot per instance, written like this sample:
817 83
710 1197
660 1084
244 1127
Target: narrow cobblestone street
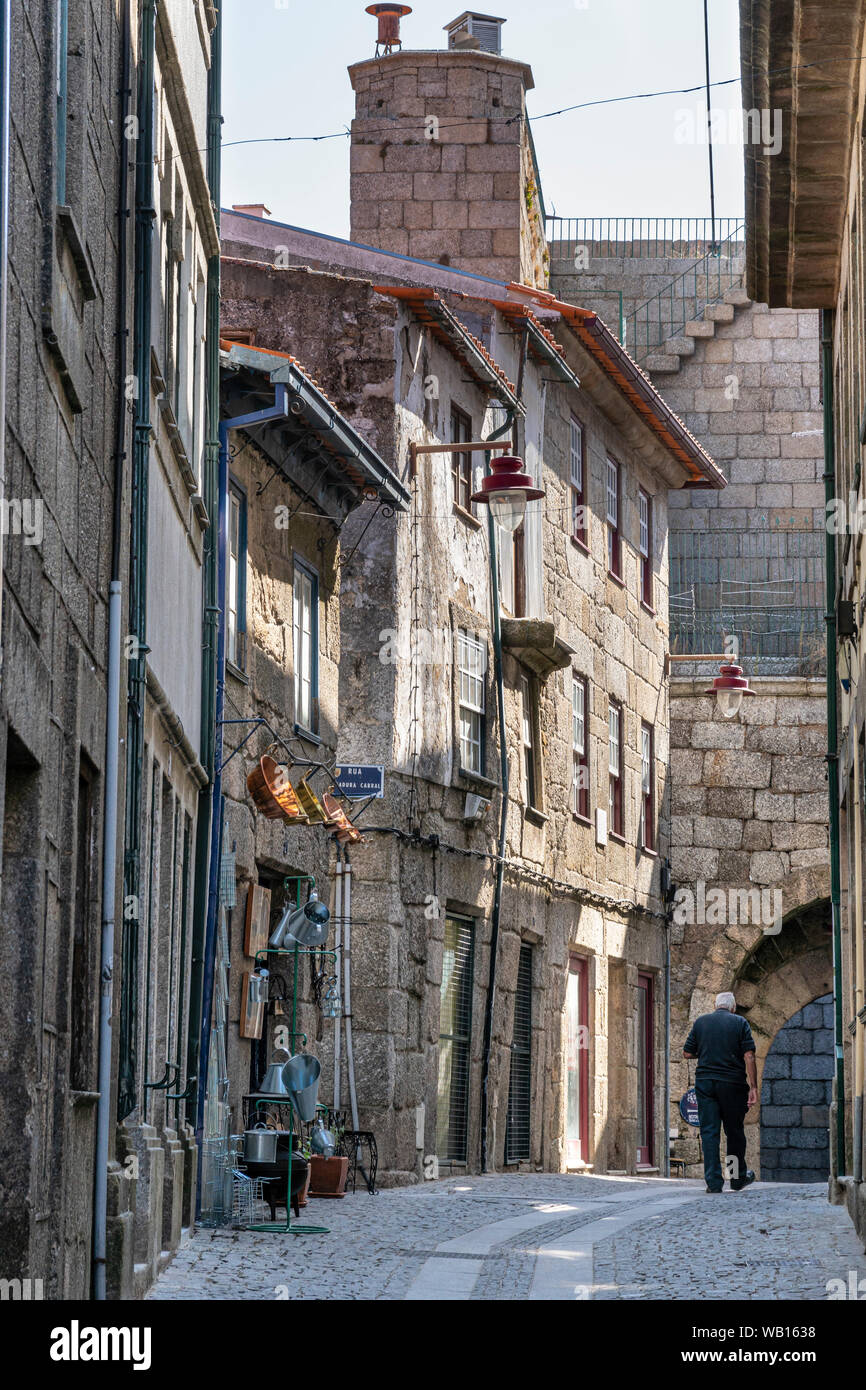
539 1237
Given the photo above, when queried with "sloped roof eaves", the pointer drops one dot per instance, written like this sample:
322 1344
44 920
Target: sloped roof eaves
470 351
638 388
339 437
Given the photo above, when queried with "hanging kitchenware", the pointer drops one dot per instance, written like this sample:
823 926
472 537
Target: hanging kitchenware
310 803
339 821
273 1086
322 1140
303 926
273 793
301 1077
332 1004
260 1144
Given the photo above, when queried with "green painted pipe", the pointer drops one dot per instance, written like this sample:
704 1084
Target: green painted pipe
503 816
832 728
145 216
209 581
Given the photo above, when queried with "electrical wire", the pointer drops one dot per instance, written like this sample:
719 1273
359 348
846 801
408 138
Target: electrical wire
390 122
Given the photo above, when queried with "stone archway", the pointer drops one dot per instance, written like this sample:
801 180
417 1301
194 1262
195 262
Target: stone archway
796 1091
773 976
774 984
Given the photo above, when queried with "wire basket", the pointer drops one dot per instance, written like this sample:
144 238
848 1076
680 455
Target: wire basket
248 1195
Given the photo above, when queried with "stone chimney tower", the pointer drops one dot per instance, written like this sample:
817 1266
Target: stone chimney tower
442 161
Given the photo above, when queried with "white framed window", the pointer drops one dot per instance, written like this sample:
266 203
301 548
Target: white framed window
578 491
579 747
614 767
305 632
236 618
647 788
645 547
471 668
612 513
530 752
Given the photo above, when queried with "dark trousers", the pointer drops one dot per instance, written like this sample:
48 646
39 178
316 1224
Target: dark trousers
722 1103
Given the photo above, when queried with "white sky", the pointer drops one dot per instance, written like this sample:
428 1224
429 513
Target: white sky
284 73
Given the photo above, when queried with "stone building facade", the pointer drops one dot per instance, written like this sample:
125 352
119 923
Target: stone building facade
443 167
62 401
746 564
795 1097
581 939
804 251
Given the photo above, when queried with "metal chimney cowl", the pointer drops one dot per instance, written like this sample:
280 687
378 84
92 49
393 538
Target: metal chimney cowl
475 31
389 16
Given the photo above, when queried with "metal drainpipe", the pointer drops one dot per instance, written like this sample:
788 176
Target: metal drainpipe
209 586
5 107
112 722
832 729
145 214
503 814
278 411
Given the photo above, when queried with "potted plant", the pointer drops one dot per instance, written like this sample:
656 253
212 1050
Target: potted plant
328 1175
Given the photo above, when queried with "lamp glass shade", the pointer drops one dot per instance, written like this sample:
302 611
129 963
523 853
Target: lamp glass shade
729 702
508 508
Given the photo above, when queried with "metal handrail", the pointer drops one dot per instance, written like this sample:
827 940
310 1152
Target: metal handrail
666 314
635 237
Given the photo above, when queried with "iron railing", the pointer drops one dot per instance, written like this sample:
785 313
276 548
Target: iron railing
647 237
686 298
763 587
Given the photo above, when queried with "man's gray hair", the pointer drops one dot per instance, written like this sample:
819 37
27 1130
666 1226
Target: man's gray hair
726 1001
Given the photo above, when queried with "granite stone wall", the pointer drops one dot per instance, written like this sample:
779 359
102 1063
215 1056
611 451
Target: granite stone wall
795 1097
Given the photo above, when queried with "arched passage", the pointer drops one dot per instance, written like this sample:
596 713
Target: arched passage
782 976
796 1090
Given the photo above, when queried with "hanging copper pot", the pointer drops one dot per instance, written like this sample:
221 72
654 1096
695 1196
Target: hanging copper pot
273 793
339 821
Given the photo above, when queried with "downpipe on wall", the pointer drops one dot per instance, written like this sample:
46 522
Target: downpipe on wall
112 720
5 121
278 411
209 582
503 813
832 730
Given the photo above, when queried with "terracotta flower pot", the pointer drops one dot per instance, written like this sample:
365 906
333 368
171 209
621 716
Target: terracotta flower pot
328 1176
302 1195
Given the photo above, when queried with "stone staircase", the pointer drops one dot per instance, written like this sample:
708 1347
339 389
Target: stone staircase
669 358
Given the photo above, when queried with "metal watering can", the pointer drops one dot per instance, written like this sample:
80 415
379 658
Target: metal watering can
301 1079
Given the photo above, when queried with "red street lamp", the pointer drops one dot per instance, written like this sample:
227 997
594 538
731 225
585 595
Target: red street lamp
506 490
729 687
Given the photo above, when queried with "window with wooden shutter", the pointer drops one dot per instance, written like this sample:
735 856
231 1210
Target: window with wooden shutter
517 1125
455 1027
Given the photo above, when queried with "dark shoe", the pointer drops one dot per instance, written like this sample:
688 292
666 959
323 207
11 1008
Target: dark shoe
718 1189
737 1185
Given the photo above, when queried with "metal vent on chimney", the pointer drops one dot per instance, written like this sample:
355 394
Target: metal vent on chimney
475 31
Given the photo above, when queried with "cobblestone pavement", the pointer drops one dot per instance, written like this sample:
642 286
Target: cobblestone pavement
536 1236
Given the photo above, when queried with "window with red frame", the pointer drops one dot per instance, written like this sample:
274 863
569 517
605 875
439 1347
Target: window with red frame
580 746
614 543
647 787
461 464
645 523
578 482
615 768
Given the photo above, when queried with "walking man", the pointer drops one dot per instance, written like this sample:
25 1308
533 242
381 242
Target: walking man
726 1083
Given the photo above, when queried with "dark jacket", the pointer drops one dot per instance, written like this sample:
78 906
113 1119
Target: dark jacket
720 1041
